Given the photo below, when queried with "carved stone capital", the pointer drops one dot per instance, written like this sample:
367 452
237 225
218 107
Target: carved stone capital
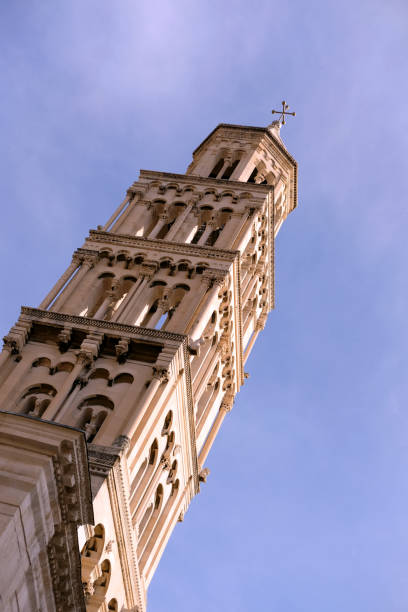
227 402
77 259
161 374
90 347
89 261
203 475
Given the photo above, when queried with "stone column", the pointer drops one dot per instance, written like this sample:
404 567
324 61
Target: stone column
128 314
163 219
260 325
117 212
161 309
120 312
107 303
229 232
179 221
87 264
76 261
205 307
227 163
209 228
226 406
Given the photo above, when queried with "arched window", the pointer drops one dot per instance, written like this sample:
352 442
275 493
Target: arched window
35 400
253 176
217 168
93 412
102 582
167 423
113 605
230 169
92 552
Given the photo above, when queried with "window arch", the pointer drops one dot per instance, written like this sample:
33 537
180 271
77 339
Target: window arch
93 412
35 400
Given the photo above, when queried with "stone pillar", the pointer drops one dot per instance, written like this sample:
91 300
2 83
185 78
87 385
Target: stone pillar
209 228
87 264
204 308
259 326
107 303
163 219
117 212
229 232
225 407
161 309
128 313
125 304
179 221
227 163
76 261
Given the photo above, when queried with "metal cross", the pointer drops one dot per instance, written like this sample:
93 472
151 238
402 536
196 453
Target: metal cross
283 112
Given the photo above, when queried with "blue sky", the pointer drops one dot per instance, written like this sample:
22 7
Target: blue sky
306 506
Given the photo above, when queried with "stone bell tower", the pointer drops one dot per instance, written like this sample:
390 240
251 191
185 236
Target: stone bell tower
114 388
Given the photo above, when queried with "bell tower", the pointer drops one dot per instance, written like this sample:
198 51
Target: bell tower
130 365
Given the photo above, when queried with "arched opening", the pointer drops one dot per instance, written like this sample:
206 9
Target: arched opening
200 231
230 169
217 168
124 378
167 423
253 176
36 399
93 412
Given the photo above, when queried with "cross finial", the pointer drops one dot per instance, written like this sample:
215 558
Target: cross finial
283 112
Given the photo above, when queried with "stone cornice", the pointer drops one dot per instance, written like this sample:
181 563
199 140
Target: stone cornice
250 128
119 329
63 448
163 245
255 189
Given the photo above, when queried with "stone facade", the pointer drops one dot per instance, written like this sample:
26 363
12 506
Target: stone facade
120 380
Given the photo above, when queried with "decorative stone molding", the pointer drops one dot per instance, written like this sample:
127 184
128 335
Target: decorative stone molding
108 326
162 245
50 461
